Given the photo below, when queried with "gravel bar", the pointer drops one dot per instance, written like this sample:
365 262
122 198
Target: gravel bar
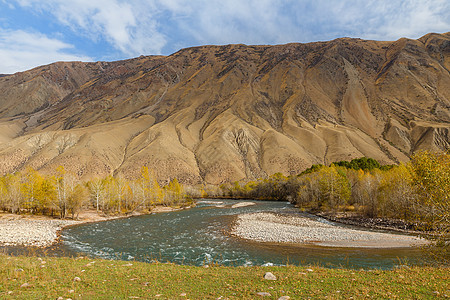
26 232
297 229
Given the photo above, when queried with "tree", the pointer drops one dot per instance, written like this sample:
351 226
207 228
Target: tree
39 191
431 181
397 198
366 192
15 196
96 190
65 187
174 192
76 199
152 192
334 188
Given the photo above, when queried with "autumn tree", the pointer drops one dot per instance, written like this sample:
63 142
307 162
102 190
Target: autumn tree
14 192
174 193
334 188
65 187
76 199
96 189
396 198
308 193
39 191
151 191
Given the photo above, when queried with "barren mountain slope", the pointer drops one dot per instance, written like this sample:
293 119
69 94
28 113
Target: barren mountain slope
221 113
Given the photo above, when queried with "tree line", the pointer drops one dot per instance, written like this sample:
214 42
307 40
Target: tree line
415 191
63 194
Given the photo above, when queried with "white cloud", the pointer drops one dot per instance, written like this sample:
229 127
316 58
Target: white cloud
410 19
278 21
379 19
22 50
135 27
127 25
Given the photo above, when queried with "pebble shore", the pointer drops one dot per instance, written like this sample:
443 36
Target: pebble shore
26 232
40 231
298 229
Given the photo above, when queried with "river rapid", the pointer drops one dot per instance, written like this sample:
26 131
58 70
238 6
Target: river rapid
200 236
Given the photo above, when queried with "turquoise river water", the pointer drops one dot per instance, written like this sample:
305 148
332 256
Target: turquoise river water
199 236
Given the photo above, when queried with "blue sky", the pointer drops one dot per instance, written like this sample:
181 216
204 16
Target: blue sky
38 32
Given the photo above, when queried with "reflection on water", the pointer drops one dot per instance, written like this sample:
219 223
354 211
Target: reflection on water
199 236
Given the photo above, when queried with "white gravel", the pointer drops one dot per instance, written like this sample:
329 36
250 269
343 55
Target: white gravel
26 232
243 204
297 229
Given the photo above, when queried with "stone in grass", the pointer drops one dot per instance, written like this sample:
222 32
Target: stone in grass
264 294
183 295
77 279
284 298
269 276
60 298
310 270
25 285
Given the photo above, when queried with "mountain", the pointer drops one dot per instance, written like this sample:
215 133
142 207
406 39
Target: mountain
223 113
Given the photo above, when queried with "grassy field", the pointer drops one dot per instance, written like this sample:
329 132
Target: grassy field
84 278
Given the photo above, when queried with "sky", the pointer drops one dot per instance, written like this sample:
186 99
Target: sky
39 32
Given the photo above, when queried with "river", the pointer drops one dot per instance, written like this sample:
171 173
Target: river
199 236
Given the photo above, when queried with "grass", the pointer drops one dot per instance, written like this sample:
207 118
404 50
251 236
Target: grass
52 277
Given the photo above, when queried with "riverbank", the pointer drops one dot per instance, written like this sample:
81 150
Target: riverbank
43 231
353 219
299 229
84 278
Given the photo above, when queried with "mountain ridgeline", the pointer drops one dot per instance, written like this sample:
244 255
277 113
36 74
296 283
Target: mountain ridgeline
216 114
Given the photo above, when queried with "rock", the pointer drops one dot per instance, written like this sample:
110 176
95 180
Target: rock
284 298
19 270
71 291
310 270
25 285
264 294
269 276
60 298
77 279
183 295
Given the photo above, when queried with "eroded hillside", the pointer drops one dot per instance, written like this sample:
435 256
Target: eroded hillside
222 113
